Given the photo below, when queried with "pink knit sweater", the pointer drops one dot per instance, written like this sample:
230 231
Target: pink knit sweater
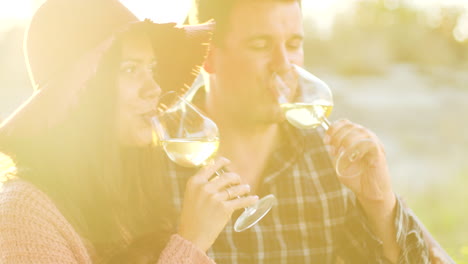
32 230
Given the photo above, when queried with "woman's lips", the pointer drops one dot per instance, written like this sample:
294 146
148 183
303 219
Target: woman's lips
147 116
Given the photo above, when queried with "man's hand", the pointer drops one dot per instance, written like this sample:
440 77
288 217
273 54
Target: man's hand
361 165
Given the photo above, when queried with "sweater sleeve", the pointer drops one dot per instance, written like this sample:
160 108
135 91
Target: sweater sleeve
32 230
180 250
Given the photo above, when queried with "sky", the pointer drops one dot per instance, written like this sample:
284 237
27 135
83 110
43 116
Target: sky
175 10
323 12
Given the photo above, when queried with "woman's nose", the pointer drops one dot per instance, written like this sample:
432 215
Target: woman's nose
151 89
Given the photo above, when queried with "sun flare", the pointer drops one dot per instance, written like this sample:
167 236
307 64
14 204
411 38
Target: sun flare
160 11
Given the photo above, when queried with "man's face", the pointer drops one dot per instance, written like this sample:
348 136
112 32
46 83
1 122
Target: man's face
263 38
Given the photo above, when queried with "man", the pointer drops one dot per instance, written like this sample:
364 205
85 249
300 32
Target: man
319 218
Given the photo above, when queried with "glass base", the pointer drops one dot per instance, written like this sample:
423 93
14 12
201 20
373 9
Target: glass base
254 213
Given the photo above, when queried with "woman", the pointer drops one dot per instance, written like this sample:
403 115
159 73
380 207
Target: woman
87 188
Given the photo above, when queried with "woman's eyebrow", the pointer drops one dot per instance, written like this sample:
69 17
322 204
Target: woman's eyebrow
137 60
131 60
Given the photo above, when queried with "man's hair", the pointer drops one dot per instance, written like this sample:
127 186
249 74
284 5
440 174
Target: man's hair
220 11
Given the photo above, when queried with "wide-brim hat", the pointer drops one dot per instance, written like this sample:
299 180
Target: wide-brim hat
64 44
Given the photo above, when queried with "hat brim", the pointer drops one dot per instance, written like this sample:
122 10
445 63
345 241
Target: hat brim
180 52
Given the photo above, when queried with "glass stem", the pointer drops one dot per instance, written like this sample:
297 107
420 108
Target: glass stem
326 124
219 172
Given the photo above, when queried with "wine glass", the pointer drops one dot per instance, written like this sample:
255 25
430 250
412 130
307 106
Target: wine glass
191 139
306 102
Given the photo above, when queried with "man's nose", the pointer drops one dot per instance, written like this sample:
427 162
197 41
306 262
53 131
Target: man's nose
280 61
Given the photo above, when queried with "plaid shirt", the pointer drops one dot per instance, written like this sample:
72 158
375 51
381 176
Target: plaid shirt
316 219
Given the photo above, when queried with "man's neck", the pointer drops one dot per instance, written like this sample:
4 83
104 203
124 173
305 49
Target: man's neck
247 144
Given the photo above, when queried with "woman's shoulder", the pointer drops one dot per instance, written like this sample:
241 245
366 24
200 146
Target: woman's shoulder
26 206
31 226
17 195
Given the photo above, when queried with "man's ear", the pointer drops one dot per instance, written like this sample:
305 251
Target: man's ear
208 64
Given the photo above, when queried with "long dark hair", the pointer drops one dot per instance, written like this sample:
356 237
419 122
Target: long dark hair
113 196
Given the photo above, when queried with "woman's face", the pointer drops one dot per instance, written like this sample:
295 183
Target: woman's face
138 93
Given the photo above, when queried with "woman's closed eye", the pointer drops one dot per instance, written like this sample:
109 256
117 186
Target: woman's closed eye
128 67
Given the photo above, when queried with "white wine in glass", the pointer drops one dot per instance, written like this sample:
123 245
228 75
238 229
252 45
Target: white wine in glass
306 102
191 139
192 152
305 115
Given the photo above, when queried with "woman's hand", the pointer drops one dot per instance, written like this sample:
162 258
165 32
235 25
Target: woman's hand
209 204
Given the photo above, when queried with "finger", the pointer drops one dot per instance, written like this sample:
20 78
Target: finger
339 130
224 181
342 132
330 150
242 202
339 135
335 141
336 126
350 177
349 139
351 160
233 192
208 171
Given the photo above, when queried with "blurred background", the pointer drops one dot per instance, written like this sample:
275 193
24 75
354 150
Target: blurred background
398 67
